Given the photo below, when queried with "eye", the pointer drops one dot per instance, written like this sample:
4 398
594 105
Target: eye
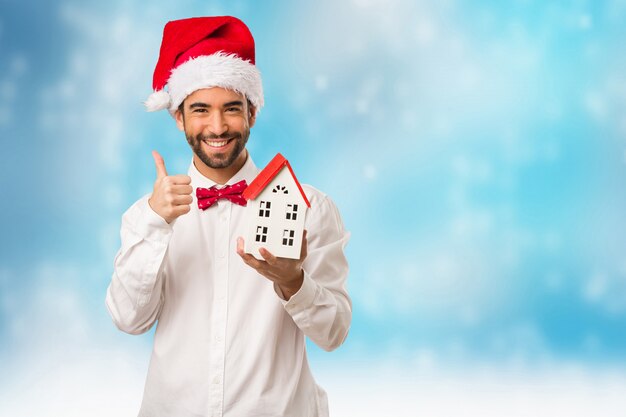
199 110
233 109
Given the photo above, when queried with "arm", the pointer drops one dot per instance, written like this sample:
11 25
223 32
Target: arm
134 297
313 288
321 307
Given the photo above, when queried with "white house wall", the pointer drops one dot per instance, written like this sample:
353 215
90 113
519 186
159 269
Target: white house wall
277 223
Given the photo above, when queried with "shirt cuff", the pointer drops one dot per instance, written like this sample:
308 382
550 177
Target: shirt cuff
304 298
149 224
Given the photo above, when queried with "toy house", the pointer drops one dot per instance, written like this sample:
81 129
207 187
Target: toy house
275 212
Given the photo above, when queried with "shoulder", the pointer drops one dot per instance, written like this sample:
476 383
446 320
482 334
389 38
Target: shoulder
323 208
314 195
319 200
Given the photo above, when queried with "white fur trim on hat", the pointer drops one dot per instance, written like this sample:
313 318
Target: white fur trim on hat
158 100
216 70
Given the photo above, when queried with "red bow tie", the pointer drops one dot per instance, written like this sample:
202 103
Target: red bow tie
209 196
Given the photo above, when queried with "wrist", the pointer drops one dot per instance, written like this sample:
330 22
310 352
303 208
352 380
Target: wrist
168 220
292 286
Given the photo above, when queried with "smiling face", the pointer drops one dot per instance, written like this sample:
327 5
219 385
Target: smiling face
217 125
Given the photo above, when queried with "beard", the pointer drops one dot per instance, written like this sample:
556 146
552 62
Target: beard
218 159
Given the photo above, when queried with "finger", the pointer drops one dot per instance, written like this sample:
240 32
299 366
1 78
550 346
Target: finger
267 255
247 258
185 199
252 261
180 210
181 189
181 179
160 165
241 252
304 247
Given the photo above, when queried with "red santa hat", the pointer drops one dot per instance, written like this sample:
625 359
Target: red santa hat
204 52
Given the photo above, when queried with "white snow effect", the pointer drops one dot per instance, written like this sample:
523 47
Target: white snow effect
107 381
9 88
321 83
562 391
370 172
585 22
74 363
65 358
606 290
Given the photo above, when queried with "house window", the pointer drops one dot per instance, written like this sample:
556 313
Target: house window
280 189
264 209
261 234
288 237
292 211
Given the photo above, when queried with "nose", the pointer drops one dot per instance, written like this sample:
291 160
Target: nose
216 124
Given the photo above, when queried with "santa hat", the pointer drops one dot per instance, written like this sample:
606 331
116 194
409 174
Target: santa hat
204 52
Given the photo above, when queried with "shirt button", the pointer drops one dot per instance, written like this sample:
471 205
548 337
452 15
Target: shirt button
218 338
224 218
216 380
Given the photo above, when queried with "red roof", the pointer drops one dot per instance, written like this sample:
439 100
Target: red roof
269 172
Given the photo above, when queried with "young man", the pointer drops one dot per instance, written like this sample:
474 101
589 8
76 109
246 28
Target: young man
230 338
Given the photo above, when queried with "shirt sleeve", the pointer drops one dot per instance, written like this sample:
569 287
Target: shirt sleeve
134 296
322 308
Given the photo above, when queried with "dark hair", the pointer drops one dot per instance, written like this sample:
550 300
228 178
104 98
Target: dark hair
181 106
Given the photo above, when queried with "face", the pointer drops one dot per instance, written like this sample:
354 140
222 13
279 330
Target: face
217 125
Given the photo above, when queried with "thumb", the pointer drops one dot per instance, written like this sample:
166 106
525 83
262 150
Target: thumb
160 165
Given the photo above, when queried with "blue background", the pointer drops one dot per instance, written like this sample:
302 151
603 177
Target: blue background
476 151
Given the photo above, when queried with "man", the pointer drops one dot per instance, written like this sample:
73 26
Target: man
230 338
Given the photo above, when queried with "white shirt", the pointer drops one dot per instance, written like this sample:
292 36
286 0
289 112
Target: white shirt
226 342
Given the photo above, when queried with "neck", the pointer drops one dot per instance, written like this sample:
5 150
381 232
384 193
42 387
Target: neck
221 175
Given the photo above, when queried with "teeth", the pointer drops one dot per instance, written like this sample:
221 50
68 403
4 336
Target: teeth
217 144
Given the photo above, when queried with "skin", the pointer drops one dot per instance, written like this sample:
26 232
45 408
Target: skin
287 274
217 123
217 114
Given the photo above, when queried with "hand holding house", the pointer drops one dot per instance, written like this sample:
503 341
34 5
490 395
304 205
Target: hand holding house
276 211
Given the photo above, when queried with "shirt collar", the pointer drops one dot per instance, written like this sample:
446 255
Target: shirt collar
247 172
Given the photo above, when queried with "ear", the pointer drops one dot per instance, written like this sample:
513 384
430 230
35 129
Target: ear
251 114
180 119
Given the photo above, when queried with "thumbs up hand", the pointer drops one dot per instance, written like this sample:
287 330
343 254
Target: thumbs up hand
171 196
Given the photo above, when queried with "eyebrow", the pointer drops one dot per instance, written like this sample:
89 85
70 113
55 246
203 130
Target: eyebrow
206 106
234 103
202 105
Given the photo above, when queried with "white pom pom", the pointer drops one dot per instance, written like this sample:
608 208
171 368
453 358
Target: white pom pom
158 100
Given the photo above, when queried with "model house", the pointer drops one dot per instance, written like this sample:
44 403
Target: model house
275 212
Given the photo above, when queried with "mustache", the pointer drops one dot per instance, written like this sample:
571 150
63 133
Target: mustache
223 136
